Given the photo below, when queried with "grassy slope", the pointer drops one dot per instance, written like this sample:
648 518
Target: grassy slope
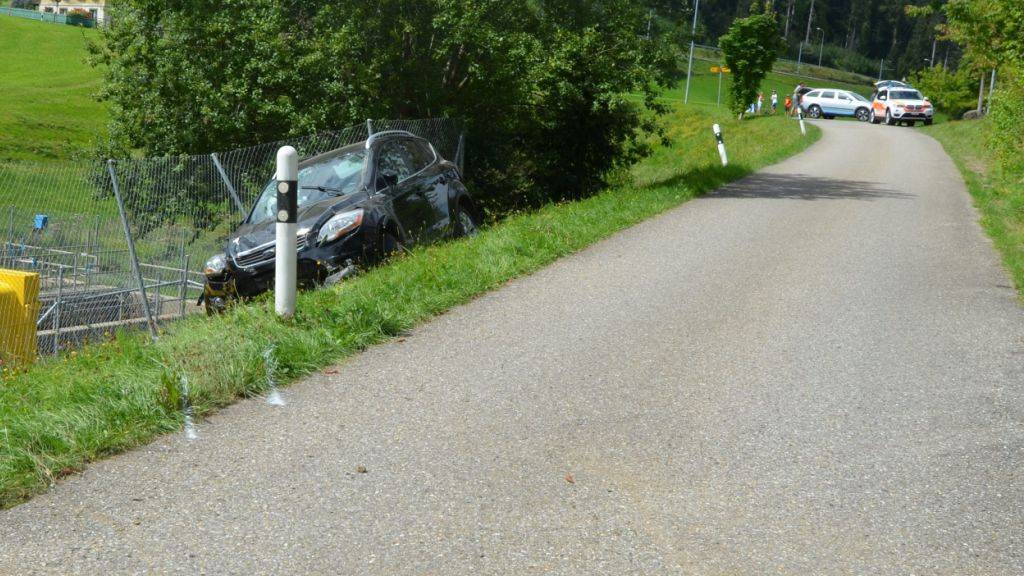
49 110
998 195
62 414
704 87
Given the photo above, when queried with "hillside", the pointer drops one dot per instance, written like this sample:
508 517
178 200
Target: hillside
49 110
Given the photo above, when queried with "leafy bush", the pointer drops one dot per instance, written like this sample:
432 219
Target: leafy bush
1007 117
951 92
537 86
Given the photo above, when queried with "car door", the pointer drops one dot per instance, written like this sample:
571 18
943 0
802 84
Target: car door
434 183
845 104
878 104
828 102
395 171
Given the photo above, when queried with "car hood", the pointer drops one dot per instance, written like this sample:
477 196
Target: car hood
902 102
310 217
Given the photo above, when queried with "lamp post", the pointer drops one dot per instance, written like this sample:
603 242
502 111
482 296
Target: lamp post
821 47
693 36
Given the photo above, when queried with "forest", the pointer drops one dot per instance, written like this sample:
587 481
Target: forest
857 35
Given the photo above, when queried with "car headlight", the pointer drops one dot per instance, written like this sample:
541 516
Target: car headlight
339 225
216 265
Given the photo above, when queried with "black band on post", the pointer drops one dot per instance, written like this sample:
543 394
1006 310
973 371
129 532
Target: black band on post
287 201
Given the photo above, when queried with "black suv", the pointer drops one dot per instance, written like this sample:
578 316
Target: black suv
357 204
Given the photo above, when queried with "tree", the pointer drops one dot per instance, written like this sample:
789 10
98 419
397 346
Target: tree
538 85
750 48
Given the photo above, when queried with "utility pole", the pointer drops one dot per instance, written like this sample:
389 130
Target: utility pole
789 12
807 37
693 36
821 49
981 93
932 59
991 87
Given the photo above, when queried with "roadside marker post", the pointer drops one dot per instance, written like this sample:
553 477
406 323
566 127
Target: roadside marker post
721 143
286 265
800 115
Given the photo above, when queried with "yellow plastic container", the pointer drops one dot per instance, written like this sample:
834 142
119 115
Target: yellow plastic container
19 308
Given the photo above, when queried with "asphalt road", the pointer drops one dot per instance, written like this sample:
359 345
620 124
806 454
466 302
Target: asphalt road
816 370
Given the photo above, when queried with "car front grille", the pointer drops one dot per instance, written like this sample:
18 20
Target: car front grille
266 252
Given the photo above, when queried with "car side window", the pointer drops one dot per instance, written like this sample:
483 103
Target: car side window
828 95
813 94
883 95
394 163
843 96
421 153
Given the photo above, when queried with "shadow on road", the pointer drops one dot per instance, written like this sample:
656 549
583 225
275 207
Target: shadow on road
800 187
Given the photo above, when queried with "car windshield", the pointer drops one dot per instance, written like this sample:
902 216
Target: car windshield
905 95
338 175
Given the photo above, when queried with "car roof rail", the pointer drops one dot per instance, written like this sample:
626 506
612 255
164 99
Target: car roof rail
387 134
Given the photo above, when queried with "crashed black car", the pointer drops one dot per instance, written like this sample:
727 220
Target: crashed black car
357 205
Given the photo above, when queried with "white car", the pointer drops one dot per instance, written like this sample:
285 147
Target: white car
832 102
901 105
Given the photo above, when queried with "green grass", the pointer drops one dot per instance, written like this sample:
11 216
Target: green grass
49 111
60 415
998 194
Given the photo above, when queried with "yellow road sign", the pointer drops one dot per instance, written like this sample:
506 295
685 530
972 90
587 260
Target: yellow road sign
717 69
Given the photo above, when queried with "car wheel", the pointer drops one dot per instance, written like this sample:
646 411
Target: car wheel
873 119
888 118
465 223
862 114
814 111
389 245
928 122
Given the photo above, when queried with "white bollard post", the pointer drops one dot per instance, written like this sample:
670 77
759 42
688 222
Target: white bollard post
800 115
721 143
286 266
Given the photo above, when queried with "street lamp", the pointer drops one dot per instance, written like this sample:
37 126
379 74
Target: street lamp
821 48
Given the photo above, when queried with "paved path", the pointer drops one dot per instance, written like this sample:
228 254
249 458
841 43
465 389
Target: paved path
817 370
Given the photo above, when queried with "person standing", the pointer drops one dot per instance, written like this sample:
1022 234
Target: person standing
796 97
775 101
760 102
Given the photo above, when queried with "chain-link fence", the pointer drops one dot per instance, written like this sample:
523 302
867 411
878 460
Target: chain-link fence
120 244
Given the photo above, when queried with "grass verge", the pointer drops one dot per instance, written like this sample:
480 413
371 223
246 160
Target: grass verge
998 193
61 414
49 110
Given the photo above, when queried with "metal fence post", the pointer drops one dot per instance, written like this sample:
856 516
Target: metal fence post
131 249
369 127
183 292
57 311
10 234
227 182
460 153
